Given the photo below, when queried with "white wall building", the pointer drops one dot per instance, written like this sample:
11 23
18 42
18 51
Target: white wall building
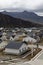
29 39
3 44
16 48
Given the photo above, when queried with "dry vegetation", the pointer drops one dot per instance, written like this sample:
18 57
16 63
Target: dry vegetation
29 57
41 42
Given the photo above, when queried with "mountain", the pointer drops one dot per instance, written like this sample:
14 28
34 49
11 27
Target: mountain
8 21
28 16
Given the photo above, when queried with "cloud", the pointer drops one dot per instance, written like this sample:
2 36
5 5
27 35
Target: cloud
21 5
39 13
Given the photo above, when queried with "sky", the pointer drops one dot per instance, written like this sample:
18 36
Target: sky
21 5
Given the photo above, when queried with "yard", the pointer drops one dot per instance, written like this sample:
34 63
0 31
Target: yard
28 57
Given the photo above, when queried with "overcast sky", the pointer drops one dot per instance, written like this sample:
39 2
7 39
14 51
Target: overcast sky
21 5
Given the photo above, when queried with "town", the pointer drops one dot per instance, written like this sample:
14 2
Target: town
19 44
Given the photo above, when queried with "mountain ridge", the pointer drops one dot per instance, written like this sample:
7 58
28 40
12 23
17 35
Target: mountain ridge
31 16
8 21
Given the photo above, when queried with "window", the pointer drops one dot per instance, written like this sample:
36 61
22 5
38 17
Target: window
23 49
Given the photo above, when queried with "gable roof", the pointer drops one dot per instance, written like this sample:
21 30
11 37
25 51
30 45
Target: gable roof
1 33
14 45
10 33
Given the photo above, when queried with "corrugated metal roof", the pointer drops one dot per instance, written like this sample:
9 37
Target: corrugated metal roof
14 45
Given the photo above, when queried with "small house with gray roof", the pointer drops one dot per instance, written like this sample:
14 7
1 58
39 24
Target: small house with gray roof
16 48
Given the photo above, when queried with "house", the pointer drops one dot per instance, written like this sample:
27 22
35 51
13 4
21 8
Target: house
16 48
13 31
20 34
29 39
4 37
17 36
10 33
28 29
1 28
2 44
12 37
31 34
17 29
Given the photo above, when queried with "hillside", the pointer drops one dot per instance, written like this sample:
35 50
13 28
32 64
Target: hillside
8 21
29 16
